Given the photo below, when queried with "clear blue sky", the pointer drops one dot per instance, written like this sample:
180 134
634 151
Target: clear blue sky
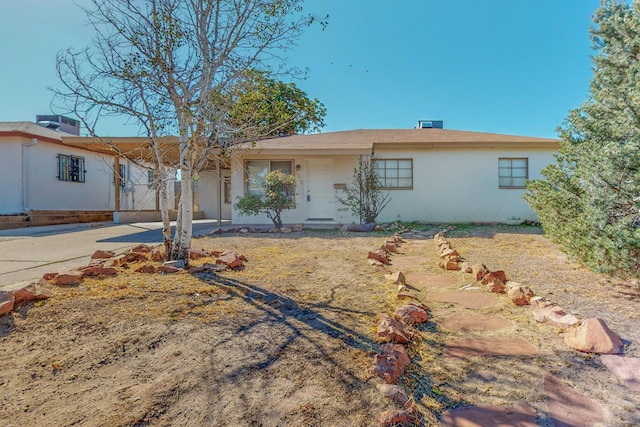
503 66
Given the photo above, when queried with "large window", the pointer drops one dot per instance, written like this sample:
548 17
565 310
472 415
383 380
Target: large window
513 172
70 168
257 171
395 173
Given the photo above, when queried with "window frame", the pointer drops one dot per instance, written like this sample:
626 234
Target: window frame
67 171
271 161
511 175
384 179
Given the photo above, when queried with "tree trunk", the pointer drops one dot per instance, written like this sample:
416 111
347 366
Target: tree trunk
163 184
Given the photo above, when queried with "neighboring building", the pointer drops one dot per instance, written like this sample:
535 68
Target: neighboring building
40 173
432 174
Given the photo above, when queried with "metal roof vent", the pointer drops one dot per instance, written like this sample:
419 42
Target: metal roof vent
430 124
58 122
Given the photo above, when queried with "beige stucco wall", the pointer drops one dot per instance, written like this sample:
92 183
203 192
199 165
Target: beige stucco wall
449 186
208 195
461 186
11 176
40 189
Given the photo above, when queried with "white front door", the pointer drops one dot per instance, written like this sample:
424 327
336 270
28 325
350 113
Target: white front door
320 195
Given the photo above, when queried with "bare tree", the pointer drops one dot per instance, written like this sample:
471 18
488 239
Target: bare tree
160 63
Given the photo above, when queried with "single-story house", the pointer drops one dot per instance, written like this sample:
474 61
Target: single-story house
40 173
432 174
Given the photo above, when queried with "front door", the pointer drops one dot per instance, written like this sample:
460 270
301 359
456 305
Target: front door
320 195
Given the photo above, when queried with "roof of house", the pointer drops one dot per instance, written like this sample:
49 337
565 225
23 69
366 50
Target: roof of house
367 139
30 129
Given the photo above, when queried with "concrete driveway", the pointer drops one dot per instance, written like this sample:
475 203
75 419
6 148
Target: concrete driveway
28 253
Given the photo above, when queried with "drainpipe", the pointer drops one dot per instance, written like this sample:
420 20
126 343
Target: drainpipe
219 191
33 142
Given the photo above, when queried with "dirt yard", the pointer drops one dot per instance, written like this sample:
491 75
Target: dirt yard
289 340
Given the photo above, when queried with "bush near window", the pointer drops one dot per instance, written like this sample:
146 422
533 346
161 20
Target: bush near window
277 196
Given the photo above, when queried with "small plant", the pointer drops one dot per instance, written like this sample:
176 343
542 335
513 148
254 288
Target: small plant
278 190
364 196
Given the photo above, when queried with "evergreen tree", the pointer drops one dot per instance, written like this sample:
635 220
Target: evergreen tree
589 201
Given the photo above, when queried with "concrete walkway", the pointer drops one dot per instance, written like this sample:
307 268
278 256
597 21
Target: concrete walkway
28 253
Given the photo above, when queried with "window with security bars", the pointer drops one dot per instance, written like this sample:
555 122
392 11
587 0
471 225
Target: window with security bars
70 168
513 172
123 176
394 173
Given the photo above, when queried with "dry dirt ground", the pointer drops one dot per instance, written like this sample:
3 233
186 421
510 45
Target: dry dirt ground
289 340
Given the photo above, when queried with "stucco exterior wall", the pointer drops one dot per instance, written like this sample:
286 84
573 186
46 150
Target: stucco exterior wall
461 186
208 195
11 176
39 188
340 170
448 186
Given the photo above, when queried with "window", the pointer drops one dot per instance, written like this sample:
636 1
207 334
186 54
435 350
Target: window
257 171
513 172
70 168
151 179
395 173
123 176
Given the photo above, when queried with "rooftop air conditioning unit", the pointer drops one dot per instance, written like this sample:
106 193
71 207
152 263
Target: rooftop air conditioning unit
430 124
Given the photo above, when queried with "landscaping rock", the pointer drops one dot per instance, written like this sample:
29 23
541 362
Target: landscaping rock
627 369
143 249
103 254
470 347
488 278
136 257
119 261
49 276
448 264
297 227
431 280
7 301
520 295
231 260
496 286
479 271
475 323
30 290
396 278
99 270
394 330
199 253
466 267
375 263
167 269
403 294
157 255
68 278
390 362
469 299
593 336
147 269
520 415
380 256
540 302
395 393
389 247
411 314
567 407
396 417
555 315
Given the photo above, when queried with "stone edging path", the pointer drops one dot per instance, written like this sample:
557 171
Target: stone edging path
490 337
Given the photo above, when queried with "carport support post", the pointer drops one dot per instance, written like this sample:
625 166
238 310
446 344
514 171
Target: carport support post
219 191
116 175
